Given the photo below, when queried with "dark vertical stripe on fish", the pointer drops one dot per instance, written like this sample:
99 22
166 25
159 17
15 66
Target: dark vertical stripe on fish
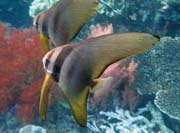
50 54
40 22
60 60
36 21
45 23
56 22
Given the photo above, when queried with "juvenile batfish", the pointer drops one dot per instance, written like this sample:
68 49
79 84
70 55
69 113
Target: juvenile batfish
77 67
64 20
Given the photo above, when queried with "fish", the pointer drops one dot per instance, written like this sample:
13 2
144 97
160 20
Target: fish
77 67
63 21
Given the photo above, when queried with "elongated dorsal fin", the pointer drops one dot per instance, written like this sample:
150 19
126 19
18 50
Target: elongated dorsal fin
63 21
100 52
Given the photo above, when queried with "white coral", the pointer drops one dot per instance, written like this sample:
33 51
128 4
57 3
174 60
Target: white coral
110 8
40 5
123 121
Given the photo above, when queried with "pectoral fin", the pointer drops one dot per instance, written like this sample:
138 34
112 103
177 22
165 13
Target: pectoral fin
101 83
44 42
79 107
98 80
43 104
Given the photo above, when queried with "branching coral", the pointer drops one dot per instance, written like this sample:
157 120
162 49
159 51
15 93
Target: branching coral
111 8
123 121
20 69
40 5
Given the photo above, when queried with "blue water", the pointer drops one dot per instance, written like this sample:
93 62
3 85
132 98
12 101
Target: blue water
155 84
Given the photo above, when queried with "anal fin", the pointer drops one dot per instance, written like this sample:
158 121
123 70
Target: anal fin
101 83
79 106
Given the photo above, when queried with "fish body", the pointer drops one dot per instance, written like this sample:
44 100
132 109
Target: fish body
76 66
63 21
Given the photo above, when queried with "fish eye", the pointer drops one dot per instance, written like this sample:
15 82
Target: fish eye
36 25
47 62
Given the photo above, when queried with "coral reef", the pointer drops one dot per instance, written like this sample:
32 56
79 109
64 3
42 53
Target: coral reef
123 121
20 69
111 8
161 17
114 83
157 71
159 74
40 5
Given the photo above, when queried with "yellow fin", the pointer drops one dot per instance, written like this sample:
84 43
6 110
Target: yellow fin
101 83
98 80
44 42
43 104
79 107
81 12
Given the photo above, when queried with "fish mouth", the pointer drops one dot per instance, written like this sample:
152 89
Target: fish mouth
157 36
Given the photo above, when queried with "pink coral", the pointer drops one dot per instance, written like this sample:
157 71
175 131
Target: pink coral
130 98
99 30
115 75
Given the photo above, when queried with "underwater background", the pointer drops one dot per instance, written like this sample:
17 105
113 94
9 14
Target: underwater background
143 97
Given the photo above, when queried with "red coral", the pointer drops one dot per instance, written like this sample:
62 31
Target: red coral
6 95
20 68
28 102
131 98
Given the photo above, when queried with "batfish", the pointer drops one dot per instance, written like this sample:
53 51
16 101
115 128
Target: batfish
63 21
77 67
